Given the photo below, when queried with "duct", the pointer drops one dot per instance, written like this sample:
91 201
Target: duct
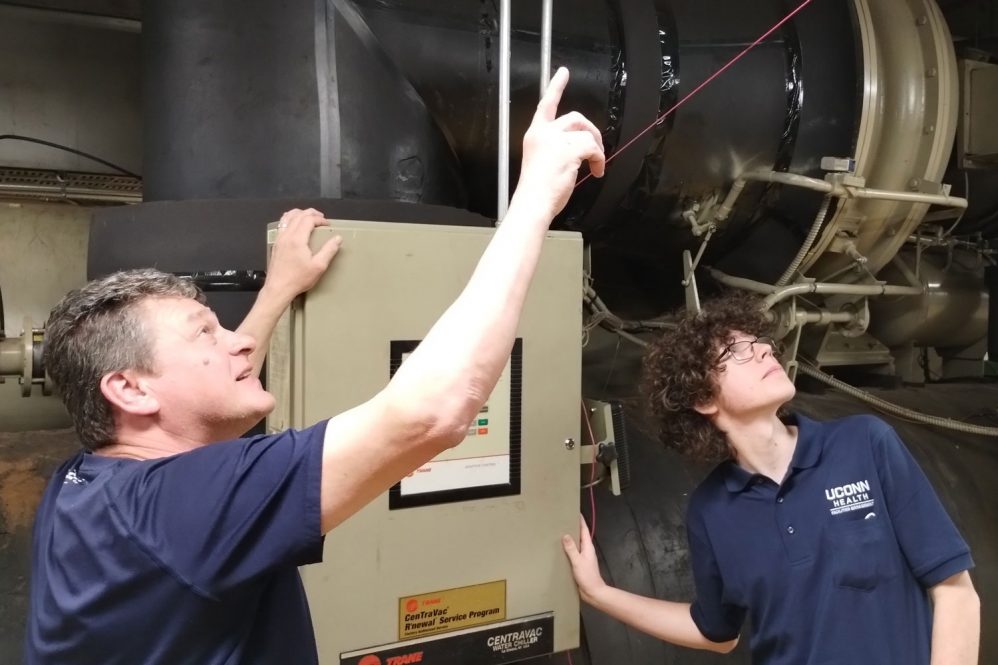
908 73
950 312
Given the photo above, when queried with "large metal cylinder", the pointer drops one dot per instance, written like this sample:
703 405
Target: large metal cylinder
397 101
953 310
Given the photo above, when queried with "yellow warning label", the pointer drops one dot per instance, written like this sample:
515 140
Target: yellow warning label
443 611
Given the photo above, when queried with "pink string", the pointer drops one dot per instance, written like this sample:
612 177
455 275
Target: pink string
700 87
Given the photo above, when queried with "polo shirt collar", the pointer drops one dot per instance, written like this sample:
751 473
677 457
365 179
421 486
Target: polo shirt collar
806 455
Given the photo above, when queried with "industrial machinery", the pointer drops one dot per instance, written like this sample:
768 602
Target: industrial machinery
509 490
843 169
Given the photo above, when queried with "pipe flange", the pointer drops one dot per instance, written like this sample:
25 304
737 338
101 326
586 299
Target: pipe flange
27 365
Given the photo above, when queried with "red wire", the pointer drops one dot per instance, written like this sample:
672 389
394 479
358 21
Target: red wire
592 473
700 87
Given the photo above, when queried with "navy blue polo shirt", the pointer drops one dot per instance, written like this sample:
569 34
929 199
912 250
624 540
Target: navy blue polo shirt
185 559
833 565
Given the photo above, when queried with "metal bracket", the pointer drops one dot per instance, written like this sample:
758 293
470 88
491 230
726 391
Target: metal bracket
609 449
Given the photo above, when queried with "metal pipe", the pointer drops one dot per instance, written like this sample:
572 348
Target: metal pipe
836 189
546 21
777 294
729 200
905 197
933 241
792 179
11 356
903 268
612 321
779 177
504 64
824 317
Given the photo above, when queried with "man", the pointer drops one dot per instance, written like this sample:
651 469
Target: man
153 547
827 534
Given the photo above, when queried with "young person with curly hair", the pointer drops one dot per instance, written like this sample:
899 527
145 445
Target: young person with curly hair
826 533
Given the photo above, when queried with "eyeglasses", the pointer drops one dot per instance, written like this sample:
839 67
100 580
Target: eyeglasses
744 349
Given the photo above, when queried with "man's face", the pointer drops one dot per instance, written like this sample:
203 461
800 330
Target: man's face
752 380
203 379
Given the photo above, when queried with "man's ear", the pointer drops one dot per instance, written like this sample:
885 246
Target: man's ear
127 391
707 408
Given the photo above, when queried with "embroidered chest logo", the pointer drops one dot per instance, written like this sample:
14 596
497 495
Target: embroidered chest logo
72 479
847 498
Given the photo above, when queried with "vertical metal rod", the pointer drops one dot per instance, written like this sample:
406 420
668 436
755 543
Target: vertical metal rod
546 13
504 63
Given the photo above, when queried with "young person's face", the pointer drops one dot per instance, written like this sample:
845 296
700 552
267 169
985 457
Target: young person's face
203 379
750 379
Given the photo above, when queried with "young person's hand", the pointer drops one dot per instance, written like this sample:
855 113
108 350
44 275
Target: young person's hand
585 567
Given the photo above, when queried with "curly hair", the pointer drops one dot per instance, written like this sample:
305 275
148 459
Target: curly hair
95 330
680 371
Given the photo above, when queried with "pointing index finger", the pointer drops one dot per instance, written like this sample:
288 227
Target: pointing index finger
547 108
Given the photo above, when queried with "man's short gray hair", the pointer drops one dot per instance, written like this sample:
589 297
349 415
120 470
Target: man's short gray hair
95 330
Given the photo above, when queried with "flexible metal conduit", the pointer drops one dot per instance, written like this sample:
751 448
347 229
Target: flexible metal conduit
833 188
778 293
812 235
873 400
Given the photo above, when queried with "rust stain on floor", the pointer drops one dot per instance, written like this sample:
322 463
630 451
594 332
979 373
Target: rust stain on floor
20 492
27 459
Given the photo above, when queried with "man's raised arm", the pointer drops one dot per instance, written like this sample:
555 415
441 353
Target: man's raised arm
428 404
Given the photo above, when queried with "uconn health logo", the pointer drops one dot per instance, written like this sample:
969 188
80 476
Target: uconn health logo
846 498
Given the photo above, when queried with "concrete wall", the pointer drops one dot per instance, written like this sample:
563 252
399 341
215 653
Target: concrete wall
72 84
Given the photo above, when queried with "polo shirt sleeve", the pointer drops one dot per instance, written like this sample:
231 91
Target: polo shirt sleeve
931 543
220 516
717 621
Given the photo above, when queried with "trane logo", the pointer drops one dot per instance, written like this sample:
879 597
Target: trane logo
852 489
407 659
